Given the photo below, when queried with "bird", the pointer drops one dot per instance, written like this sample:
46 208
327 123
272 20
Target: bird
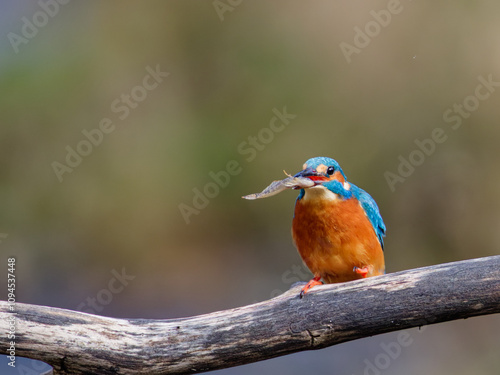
337 227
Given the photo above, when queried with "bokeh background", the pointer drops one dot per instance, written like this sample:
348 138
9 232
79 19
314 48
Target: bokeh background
229 66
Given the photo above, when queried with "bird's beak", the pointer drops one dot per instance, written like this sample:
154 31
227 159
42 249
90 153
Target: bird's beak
313 175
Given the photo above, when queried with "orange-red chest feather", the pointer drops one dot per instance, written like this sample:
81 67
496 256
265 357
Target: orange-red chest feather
333 236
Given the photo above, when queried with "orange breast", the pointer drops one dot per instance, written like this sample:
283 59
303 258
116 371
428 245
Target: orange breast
334 236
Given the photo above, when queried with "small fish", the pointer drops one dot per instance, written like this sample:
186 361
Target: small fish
280 185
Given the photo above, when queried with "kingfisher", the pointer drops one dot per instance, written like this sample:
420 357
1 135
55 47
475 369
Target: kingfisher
337 227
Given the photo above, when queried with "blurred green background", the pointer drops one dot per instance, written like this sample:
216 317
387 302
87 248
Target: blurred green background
229 66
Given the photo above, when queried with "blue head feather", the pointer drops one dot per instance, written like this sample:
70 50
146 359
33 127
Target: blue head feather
315 162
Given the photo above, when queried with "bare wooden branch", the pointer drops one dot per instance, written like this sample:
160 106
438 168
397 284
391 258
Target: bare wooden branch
78 343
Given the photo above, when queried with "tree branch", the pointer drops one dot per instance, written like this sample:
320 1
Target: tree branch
78 343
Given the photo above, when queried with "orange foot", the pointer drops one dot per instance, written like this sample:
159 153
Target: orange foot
315 281
362 271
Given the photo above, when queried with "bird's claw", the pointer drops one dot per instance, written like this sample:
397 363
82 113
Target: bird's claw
362 271
313 282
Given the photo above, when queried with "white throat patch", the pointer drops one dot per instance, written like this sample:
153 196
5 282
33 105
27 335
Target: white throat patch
319 192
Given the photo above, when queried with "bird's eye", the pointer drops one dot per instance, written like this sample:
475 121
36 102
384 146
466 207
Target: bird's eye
330 170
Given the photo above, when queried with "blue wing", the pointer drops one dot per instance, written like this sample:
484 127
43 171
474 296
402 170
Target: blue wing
372 211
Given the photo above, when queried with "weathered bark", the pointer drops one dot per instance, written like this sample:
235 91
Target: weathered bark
78 343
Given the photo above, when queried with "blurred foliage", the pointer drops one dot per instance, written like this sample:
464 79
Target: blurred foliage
120 206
